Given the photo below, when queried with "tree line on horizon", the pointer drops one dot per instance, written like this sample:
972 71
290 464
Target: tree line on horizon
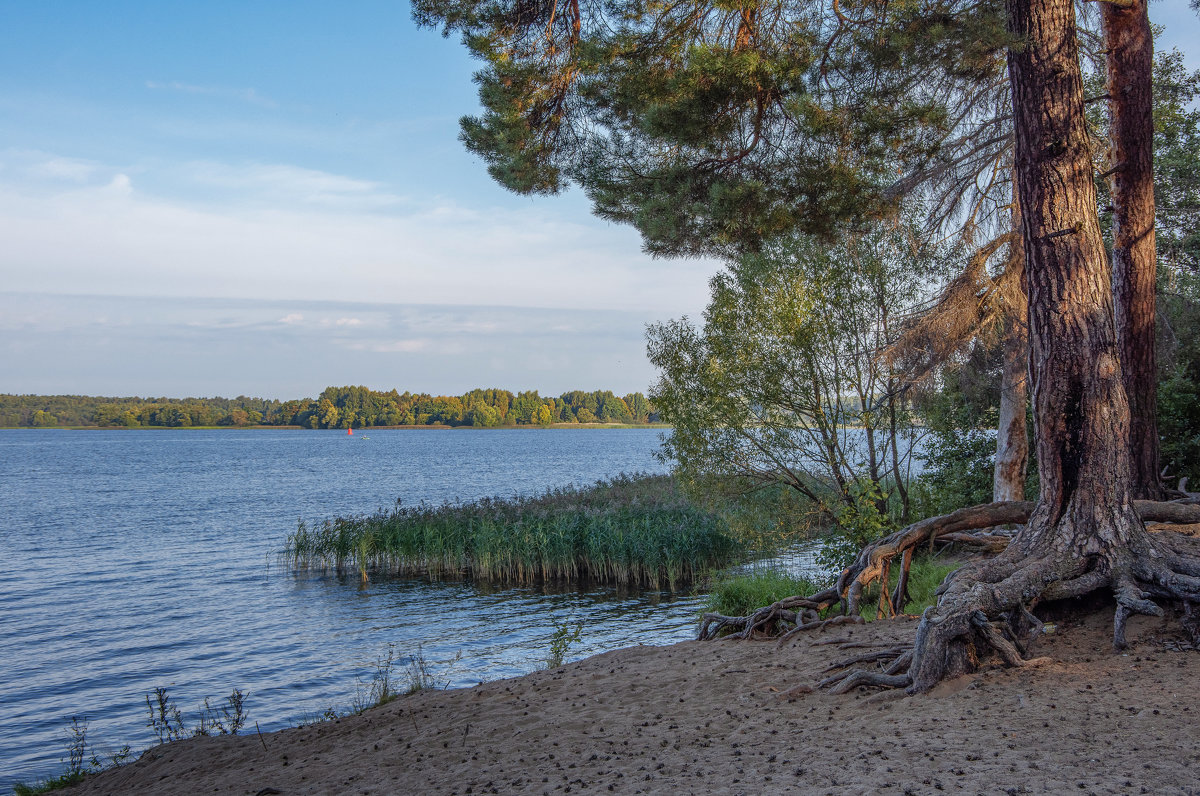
335 407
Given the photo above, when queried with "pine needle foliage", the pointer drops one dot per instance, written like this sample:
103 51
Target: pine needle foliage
713 125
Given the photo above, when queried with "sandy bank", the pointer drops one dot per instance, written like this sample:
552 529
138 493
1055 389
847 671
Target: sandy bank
712 718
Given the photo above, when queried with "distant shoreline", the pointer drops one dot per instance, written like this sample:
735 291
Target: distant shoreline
364 429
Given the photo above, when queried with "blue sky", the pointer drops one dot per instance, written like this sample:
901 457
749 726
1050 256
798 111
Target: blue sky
266 198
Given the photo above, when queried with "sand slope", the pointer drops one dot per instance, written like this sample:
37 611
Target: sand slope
709 718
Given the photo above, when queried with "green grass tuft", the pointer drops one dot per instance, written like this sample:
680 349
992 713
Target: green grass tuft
633 531
740 595
924 576
47 785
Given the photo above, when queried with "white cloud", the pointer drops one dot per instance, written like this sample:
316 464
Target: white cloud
292 318
280 185
225 92
120 185
285 232
393 346
67 169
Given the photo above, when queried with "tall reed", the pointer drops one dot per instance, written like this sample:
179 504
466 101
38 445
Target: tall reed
630 530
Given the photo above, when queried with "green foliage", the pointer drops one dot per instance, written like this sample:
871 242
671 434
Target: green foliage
561 641
958 451
1176 164
629 530
783 385
57 783
925 575
741 594
1179 380
711 126
336 407
82 761
857 524
959 466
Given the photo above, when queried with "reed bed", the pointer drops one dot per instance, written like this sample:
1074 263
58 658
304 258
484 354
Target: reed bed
631 531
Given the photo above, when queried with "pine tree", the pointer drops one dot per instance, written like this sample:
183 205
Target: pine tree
712 127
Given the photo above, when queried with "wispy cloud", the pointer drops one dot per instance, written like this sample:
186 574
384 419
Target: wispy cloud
282 185
393 346
60 168
224 92
283 231
135 345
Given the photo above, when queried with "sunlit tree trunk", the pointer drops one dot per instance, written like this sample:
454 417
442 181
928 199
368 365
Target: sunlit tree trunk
1012 436
1130 60
1081 415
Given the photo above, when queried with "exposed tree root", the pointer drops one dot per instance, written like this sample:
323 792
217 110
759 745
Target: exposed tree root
986 606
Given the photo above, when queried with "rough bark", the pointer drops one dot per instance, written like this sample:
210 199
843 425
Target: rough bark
1130 59
1084 521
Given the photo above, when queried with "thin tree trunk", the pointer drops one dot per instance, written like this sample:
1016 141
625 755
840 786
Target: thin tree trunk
1012 436
1130 45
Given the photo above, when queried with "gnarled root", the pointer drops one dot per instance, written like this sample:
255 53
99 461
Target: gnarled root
803 612
985 608
976 618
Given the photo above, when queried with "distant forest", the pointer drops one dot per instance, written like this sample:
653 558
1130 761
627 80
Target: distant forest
336 407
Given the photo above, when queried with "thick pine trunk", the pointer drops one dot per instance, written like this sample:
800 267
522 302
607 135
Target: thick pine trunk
1012 437
1130 45
1080 410
1083 533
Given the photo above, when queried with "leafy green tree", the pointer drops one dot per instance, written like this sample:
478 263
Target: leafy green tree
783 384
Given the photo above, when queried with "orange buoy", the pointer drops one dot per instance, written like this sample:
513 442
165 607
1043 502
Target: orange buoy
350 431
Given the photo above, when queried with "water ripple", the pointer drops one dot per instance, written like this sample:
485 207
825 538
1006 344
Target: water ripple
139 559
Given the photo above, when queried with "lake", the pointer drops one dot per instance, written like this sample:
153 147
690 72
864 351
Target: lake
148 558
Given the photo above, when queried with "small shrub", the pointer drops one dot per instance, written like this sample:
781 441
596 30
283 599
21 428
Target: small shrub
166 720
418 674
227 719
560 643
81 761
381 689
856 526
924 576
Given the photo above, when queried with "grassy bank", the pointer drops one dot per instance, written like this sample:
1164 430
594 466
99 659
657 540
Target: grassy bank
633 531
742 594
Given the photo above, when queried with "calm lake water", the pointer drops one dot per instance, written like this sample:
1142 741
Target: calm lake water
138 559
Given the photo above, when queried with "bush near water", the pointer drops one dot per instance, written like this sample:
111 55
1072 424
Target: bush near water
630 531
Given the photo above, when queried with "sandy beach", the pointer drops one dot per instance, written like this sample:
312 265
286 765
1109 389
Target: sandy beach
718 718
